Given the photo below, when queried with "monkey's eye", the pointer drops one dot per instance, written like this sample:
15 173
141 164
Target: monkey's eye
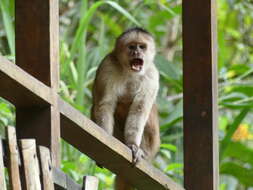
132 47
143 46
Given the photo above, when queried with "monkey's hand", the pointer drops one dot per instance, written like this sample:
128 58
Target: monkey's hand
137 154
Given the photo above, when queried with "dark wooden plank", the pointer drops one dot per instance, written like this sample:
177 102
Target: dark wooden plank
36 122
46 168
108 151
37 53
14 159
37 38
21 89
200 95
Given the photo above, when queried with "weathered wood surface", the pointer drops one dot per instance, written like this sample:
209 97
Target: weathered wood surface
39 123
2 173
39 20
200 95
63 181
109 152
20 88
90 183
37 39
31 164
46 168
14 159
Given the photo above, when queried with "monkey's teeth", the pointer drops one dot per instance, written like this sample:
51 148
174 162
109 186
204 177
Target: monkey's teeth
136 67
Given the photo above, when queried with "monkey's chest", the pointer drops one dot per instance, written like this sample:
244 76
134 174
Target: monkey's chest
122 108
125 96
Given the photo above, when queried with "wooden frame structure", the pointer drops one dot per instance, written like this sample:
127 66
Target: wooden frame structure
200 95
32 84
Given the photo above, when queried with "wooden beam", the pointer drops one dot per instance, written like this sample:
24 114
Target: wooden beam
37 39
20 88
62 181
31 164
37 49
74 124
14 159
200 95
109 152
46 168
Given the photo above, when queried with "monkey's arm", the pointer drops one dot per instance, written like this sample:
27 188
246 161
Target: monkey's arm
104 102
103 114
137 118
136 121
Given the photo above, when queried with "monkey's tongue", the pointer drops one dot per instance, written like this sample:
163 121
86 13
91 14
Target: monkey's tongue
136 64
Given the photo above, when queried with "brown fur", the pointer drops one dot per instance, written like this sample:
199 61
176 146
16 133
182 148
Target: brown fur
124 100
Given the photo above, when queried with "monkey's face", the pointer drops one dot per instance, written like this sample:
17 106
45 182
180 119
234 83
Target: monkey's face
137 52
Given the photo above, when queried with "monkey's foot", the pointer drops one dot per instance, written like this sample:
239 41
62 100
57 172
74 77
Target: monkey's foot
137 154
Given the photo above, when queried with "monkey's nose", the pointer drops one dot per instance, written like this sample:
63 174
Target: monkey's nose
136 53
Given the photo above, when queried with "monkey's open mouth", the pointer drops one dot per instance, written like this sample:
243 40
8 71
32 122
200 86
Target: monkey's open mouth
136 64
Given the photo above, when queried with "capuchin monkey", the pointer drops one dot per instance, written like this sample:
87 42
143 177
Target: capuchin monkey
124 95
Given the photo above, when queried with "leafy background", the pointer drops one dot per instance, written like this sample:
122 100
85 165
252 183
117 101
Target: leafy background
87 33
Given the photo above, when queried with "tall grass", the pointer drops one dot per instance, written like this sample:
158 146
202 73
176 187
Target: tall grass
7 12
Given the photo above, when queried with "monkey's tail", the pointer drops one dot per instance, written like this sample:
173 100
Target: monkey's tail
121 184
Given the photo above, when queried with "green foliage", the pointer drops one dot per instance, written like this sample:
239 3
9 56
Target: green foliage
87 33
7 10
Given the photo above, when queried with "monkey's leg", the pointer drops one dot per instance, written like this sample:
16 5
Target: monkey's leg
121 184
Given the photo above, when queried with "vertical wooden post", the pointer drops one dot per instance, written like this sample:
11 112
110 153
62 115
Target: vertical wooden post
200 95
31 164
37 53
2 173
46 168
90 183
14 159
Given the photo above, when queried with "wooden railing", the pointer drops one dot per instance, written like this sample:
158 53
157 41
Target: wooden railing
32 84
30 167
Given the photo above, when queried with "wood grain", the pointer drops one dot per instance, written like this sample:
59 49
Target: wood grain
46 168
37 38
200 95
31 165
37 52
14 159
20 88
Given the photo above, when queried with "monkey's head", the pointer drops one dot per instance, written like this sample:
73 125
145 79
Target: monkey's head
135 50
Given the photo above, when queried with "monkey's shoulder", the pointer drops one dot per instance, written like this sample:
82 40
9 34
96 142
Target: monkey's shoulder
106 65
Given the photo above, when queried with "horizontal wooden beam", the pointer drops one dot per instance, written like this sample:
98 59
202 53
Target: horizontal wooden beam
92 140
24 90
20 88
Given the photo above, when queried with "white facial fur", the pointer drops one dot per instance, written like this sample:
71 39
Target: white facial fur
146 54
